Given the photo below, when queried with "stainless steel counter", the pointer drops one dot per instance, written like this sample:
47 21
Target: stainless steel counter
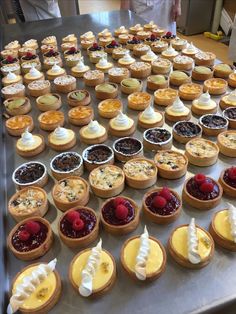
178 290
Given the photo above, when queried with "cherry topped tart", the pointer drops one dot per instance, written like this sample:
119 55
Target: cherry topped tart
202 192
30 238
228 181
162 205
78 227
119 215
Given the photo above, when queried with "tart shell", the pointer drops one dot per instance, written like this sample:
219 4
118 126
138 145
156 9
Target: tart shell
24 109
228 190
43 107
62 147
32 152
74 103
224 149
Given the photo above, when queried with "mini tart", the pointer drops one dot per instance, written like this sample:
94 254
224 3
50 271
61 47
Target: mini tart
142 35
47 47
140 50
9 60
110 219
13 68
94 47
32 173
220 230
76 72
105 33
195 197
122 39
222 70
123 62
171 164
179 43
225 102
28 56
70 192
116 75
215 86
134 29
228 182
85 44
178 246
6 81
97 137
66 164
168 56
107 181
72 57
165 97
139 100
119 130
71 38
156 119
158 31
17 106
95 56
156 262
104 68
227 143
83 237
48 63
49 102
140 69
31 43
190 91
185 131
49 290
131 85
13 90
119 53
133 42
178 78
62 144
9 52
230 114
106 90
28 202
213 124
87 36
39 88
97 155
93 78
120 31
80 115
51 75
202 73
201 152
165 214
204 58
28 78
27 65
18 124
50 40
127 148
52 53
232 80
50 120
109 108
158 81
65 84
34 149
159 46
155 139
79 97
150 26
67 45
200 107
104 277
140 173
36 245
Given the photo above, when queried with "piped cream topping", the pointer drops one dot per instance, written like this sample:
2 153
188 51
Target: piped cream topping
80 66
204 99
34 72
178 106
193 254
150 54
170 51
60 133
11 76
142 257
56 68
27 138
191 48
103 61
232 220
93 127
121 120
232 96
127 57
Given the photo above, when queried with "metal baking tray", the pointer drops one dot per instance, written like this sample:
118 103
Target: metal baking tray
178 290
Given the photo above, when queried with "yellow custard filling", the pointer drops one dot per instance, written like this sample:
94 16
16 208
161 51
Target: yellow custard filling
113 124
210 105
42 293
86 132
103 273
61 141
179 242
154 119
37 142
155 257
222 225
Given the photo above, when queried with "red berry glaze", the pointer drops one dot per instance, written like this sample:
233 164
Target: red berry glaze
165 192
51 51
72 49
95 45
33 227
10 58
232 173
118 201
159 202
72 215
113 43
24 235
78 224
206 187
200 178
135 38
153 36
168 34
121 212
29 54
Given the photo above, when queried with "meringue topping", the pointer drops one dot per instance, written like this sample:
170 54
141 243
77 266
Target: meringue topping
60 133
193 254
11 76
121 120
232 220
34 72
178 106
141 258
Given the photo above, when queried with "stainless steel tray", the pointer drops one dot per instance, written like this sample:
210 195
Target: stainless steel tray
178 290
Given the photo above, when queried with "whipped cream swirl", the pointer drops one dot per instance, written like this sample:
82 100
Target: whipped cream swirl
34 72
148 113
232 96
137 26
150 54
121 119
193 255
86 285
178 106
27 138
80 65
60 133
93 127
232 220
103 61
204 99
191 48
29 285
141 258
127 57
170 50
56 68
11 76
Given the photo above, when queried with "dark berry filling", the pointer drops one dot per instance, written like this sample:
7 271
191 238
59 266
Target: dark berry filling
29 173
29 57
9 60
157 135
152 38
194 189
113 44
186 128
51 53
214 121
95 47
88 223
230 113
66 162
134 41
128 146
230 177
169 35
118 214
33 241
72 51
99 153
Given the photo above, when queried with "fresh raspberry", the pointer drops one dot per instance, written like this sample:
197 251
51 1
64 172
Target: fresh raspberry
51 51
200 178
159 202
29 54
232 173
165 192
72 215
168 34
33 227
72 49
206 187
135 38
78 224
24 235
10 58
121 212
153 37
113 43
95 45
118 201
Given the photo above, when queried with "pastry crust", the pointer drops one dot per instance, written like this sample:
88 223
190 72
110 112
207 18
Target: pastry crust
185 262
110 108
161 219
83 241
228 190
232 80
225 103
201 76
201 110
39 211
39 88
146 125
16 125
129 90
121 132
14 92
90 165
150 277
65 87
78 73
140 49
148 145
190 91
22 110
185 139
121 156
7 82
171 116
35 253
201 204
47 107
102 95
223 73
205 58
29 152
232 122
139 100
84 102
28 79
80 115
155 85
62 147
117 78
121 229
94 78
50 120
165 97
97 139
215 86
176 81
140 70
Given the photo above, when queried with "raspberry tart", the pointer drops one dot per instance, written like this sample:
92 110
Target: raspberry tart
228 181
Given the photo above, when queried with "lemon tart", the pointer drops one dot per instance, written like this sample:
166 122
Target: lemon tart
106 90
30 145
121 125
16 125
139 100
165 97
202 73
229 100
204 105
222 70
177 111
62 139
109 108
93 133
79 97
150 118
215 86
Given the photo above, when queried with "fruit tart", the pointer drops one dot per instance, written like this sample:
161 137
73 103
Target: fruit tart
30 239
228 181
177 111
93 133
153 38
119 215
78 227
185 131
94 47
80 68
109 108
39 88
107 181
79 97
27 203
17 106
127 148
165 96
50 120
97 155
190 91
62 139
213 124
150 118
215 86
70 192
18 124
133 42
45 291
202 192
29 144
13 90
67 45
50 101
191 246
155 139
204 105
65 84
139 100
230 114
229 100
28 56
112 45
72 56
80 115
121 125
162 205
92 272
